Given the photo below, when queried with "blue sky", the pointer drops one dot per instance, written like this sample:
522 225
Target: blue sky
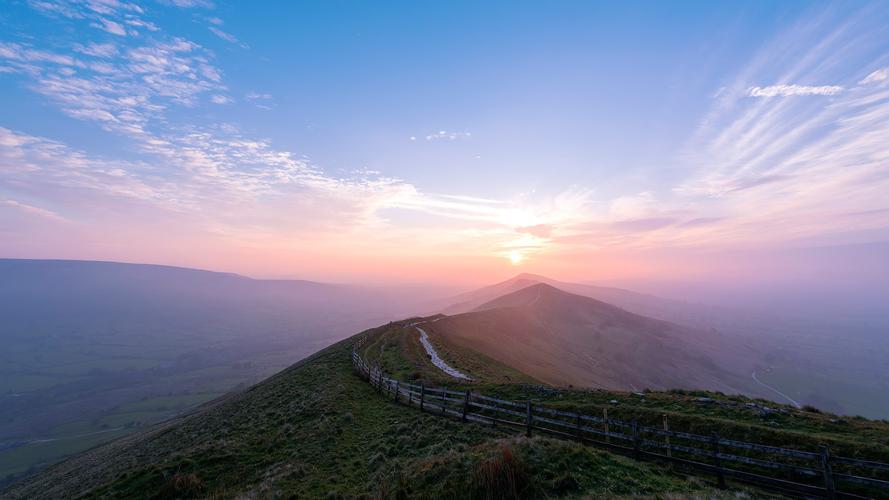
273 137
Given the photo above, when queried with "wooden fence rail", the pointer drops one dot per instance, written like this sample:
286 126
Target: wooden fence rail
793 472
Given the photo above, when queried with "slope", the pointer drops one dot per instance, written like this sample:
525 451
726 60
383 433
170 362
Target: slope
317 429
566 339
95 350
639 303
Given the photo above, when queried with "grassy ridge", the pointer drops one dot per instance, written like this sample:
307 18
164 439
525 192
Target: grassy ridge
318 430
699 412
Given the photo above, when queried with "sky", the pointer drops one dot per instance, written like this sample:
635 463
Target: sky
457 142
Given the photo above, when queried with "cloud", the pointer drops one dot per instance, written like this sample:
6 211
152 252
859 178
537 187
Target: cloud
444 135
190 4
640 225
228 37
880 75
791 90
783 169
104 50
111 27
539 230
32 210
756 170
110 16
702 221
632 206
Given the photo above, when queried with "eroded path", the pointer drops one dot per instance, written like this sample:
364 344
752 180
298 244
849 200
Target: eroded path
436 359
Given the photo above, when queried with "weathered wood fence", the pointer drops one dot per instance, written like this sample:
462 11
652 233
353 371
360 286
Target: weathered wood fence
793 472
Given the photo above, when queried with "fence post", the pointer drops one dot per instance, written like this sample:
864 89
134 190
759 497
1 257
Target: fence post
443 401
528 419
579 428
396 390
607 432
829 489
667 436
465 405
380 383
720 477
422 395
636 440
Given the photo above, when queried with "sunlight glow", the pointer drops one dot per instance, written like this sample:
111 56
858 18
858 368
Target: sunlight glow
515 257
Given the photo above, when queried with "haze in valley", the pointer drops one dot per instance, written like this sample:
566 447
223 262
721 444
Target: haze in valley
196 194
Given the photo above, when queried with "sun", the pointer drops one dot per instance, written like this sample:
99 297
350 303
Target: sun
516 257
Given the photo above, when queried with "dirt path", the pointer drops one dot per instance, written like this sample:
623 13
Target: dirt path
436 359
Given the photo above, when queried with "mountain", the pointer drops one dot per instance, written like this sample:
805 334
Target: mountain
639 303
567 339
318 430
95 350
797 355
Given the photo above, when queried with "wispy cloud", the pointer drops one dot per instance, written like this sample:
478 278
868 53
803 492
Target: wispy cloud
32 210
220 99
763 166
775 170
791 90
110 27
444 135
104 50
880 75
228 37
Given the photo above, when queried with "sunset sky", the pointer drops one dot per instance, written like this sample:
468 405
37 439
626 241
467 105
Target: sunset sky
451 141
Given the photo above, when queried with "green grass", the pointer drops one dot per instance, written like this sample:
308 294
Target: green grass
399 351
318 430
698 412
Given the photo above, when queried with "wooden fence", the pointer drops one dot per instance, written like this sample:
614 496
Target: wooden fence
793 472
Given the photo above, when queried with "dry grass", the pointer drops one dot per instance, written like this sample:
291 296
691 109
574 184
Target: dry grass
502 477
182 485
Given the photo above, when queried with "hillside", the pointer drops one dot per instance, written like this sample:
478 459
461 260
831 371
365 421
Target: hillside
317 429
95 350
566 339
639 303
799 355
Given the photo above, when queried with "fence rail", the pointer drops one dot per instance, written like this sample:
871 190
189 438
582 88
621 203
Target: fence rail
793 472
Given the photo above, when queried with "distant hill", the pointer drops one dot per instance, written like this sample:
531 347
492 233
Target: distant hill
318 430
563 338
803 357
95 350
639 303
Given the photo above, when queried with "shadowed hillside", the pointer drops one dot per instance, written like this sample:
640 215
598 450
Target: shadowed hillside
562 338
800 356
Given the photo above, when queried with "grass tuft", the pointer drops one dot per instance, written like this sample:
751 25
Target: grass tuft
183 485
503 477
